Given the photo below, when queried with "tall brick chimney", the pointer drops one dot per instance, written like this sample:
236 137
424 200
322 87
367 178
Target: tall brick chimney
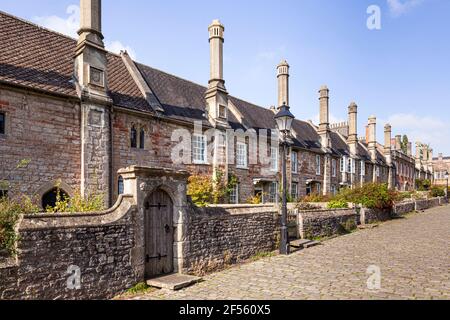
283 83
91 78
217 95
373 138
324 126
353 128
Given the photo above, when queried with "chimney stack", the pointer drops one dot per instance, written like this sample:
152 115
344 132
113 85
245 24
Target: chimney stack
441 157
216 40
373 137
90 71
90 55
91 22
409 149
217 96
283 83
353 127
387 138
398 142
324 126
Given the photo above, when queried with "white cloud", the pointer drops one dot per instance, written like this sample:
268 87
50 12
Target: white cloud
70 24
426 129
400 7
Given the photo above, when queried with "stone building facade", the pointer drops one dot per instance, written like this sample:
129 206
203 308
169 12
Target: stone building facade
441 166
80 113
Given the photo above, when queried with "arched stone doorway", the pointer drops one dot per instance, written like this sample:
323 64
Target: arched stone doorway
158 234
52 196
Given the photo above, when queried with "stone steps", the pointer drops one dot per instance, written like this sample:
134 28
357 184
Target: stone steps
304 244
173 281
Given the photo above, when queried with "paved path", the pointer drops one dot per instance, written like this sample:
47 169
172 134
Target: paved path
412 253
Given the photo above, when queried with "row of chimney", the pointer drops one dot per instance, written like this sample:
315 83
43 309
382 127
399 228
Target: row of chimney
90 53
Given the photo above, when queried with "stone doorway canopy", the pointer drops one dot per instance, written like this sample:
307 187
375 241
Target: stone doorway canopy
142 182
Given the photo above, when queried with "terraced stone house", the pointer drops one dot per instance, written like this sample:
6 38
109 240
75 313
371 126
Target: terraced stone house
80 113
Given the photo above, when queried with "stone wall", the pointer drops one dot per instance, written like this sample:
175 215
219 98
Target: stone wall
426 204
53 246
227 234
46 131
404 208
326 223
368 216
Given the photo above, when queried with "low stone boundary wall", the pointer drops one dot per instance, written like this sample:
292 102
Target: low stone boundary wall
428 203
55 247
403 208
222 235
326 223
368 216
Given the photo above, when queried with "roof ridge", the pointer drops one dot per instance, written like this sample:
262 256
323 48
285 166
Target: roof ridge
171 74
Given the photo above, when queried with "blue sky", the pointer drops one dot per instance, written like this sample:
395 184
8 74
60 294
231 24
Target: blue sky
400 73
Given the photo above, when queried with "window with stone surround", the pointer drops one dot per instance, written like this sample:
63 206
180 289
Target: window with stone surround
294 191
133 137
241 155
363 168
234 194
294 161
333 167
2 123
318 165
274 159
342 162
120 186
142 139
199 149
273 192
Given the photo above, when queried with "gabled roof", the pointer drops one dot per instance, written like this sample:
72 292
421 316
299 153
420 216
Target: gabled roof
40 59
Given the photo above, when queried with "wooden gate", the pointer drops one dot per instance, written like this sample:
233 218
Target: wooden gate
158 234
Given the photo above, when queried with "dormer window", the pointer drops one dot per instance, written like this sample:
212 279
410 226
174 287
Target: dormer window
222 112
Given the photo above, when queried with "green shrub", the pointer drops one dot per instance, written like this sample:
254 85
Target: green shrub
437 192
371 195
338 204
77 203
205 190
315 198
10 212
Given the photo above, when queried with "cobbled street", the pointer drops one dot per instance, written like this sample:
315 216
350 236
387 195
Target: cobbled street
413 255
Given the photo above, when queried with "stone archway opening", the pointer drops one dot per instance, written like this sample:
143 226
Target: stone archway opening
51 197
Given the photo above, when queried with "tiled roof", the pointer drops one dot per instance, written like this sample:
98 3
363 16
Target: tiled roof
339 145
41 59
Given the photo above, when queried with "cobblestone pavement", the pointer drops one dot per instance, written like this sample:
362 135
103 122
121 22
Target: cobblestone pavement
412 253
